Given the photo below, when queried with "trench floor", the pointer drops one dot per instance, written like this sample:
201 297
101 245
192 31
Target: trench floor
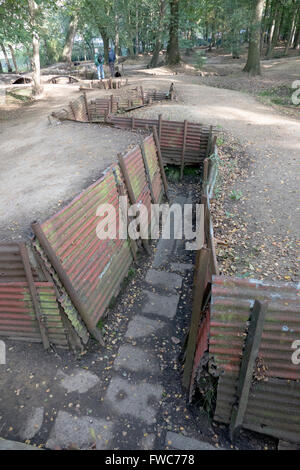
127 395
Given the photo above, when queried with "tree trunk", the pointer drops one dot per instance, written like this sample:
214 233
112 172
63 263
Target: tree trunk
117 34
68 47
264 26
35 60
105 40
296 40
9 69
253 62
275 36
13 58
137 30
292 29
1 68
173 55
158 43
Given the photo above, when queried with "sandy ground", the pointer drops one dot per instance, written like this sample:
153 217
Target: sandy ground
270 192
44 165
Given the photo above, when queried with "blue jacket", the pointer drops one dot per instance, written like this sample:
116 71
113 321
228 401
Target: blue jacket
111 56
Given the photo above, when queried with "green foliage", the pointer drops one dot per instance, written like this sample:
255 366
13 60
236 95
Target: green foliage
173 173
280 95
201 59
129 23
236 195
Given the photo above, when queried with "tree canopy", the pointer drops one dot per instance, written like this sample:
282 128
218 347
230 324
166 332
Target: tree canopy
68 29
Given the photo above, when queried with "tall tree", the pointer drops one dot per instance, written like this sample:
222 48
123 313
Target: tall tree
35 60
159 33
69 42
9 69
278 14
293 25
253 61
12 53
173 54
296 41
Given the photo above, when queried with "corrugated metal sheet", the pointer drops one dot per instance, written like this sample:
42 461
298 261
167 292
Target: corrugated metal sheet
11 264
274 404
136 171
232 299
17 316
171 138
95 267
79 109
202 347
154 169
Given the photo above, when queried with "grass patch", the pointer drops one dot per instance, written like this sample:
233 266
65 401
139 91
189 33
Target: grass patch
191 170
173 173
236 195
280 95
100 324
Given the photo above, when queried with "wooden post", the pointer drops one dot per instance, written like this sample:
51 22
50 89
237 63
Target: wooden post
183 148
159 127
73 109
205 172
66 282
198 296
209 141
132 123
142 93
122 192
112 103
87 106
34 295
160 162
148 174
131 194
213 144
250 354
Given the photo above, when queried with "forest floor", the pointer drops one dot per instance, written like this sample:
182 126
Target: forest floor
256 215
257 200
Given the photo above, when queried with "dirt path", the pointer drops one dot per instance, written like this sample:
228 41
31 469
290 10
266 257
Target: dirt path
270 192
43 165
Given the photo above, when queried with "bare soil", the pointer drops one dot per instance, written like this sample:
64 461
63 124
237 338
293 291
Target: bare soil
43 165
46 163
269 202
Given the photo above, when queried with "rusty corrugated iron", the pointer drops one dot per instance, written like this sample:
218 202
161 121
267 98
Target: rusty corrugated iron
11 263
154 168
201 348
172 138
232 299
95 267
274 405
18 315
